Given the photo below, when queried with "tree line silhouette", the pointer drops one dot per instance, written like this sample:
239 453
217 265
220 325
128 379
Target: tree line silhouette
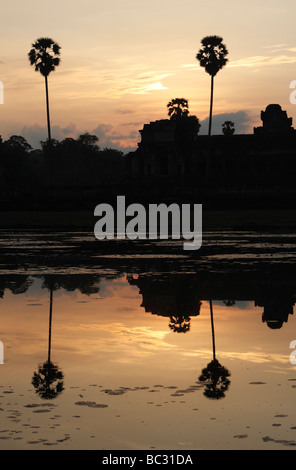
73 163
67 163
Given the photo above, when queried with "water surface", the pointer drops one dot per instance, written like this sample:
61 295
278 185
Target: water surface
125 360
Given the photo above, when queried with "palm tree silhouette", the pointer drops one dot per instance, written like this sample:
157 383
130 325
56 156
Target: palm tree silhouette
212 56
214 375
48 381
178 108
44 55
179 323
228 128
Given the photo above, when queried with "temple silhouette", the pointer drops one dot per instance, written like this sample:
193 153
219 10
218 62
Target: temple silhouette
275 122
173 161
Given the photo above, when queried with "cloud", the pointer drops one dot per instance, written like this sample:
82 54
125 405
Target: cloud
261 61
138 86
279 54
124 112
241 119
36 133
190 66
275 46
130 81
108 136
280 47
133 123
286 56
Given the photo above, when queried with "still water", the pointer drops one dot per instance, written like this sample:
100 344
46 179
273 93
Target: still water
147 361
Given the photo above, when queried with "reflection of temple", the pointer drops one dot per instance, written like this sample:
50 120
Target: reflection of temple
276 311
167 297
171 297
179 296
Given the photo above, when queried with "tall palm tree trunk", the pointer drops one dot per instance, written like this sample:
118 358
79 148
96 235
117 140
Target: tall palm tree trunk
209 157
211 105
50 321
47 109
213 332
49 147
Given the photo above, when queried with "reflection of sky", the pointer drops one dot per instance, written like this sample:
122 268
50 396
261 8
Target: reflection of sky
108 341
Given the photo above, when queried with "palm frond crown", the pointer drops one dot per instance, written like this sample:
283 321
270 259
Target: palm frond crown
44 55
212 55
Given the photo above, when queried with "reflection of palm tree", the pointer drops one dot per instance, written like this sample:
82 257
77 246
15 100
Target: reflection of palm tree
48 381
179 323
216 378
214 375
213 330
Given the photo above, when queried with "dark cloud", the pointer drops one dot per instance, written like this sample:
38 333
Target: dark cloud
108 137
241 119
34 134
124 112
138 124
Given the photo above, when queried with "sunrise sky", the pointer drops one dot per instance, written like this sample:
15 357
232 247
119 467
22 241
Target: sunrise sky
122 62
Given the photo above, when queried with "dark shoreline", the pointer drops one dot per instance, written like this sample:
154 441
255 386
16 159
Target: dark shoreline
273 221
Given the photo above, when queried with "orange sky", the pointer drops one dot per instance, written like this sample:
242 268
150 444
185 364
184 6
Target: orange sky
122 62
